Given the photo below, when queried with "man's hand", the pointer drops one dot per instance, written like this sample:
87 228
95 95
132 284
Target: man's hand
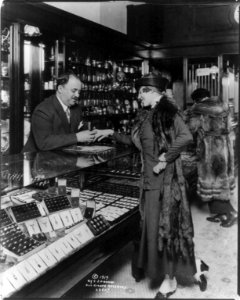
101 134
159 167
83 161
86 136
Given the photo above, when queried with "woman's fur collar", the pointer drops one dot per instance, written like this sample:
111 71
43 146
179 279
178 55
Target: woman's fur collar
166 110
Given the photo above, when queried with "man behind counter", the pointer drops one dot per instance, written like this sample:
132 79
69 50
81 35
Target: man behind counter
56 122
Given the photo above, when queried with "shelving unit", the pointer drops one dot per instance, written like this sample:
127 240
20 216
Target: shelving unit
11 91
44 60
5 89
108 88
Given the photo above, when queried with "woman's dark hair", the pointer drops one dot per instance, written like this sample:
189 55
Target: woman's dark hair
200 94
64 78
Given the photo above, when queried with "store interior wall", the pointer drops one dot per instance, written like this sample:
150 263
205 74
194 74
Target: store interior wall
110 14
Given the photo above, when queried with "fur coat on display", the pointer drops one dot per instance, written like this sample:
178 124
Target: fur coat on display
210 125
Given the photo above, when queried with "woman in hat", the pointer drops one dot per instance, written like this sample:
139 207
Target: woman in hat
166 249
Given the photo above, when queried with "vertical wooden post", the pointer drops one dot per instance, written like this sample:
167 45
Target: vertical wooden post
185 81
220 76
16 89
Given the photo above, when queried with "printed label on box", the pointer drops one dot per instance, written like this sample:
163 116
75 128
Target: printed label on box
27 270
65 246
6 287
37 263
76 214
45 224
47 257
66 218
73 241
87 231
83 233
15 278
56 251
32 227
56 221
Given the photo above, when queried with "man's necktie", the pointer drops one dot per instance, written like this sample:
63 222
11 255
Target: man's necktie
68 114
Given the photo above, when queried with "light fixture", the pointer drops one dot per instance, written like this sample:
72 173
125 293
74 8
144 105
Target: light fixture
31 30
236 14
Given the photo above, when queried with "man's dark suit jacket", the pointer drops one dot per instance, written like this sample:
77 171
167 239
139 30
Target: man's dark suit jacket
50 128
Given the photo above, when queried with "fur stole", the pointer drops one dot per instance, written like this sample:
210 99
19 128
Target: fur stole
175 222
209 107
162 122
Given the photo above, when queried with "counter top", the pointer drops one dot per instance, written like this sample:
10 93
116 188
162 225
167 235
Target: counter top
21 170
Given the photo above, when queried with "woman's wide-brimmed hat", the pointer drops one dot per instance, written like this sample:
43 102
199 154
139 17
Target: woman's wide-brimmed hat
152 80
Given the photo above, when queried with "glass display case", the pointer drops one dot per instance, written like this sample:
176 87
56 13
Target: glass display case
57 207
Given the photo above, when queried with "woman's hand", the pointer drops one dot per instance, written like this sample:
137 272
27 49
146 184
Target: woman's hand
159 167
102 133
